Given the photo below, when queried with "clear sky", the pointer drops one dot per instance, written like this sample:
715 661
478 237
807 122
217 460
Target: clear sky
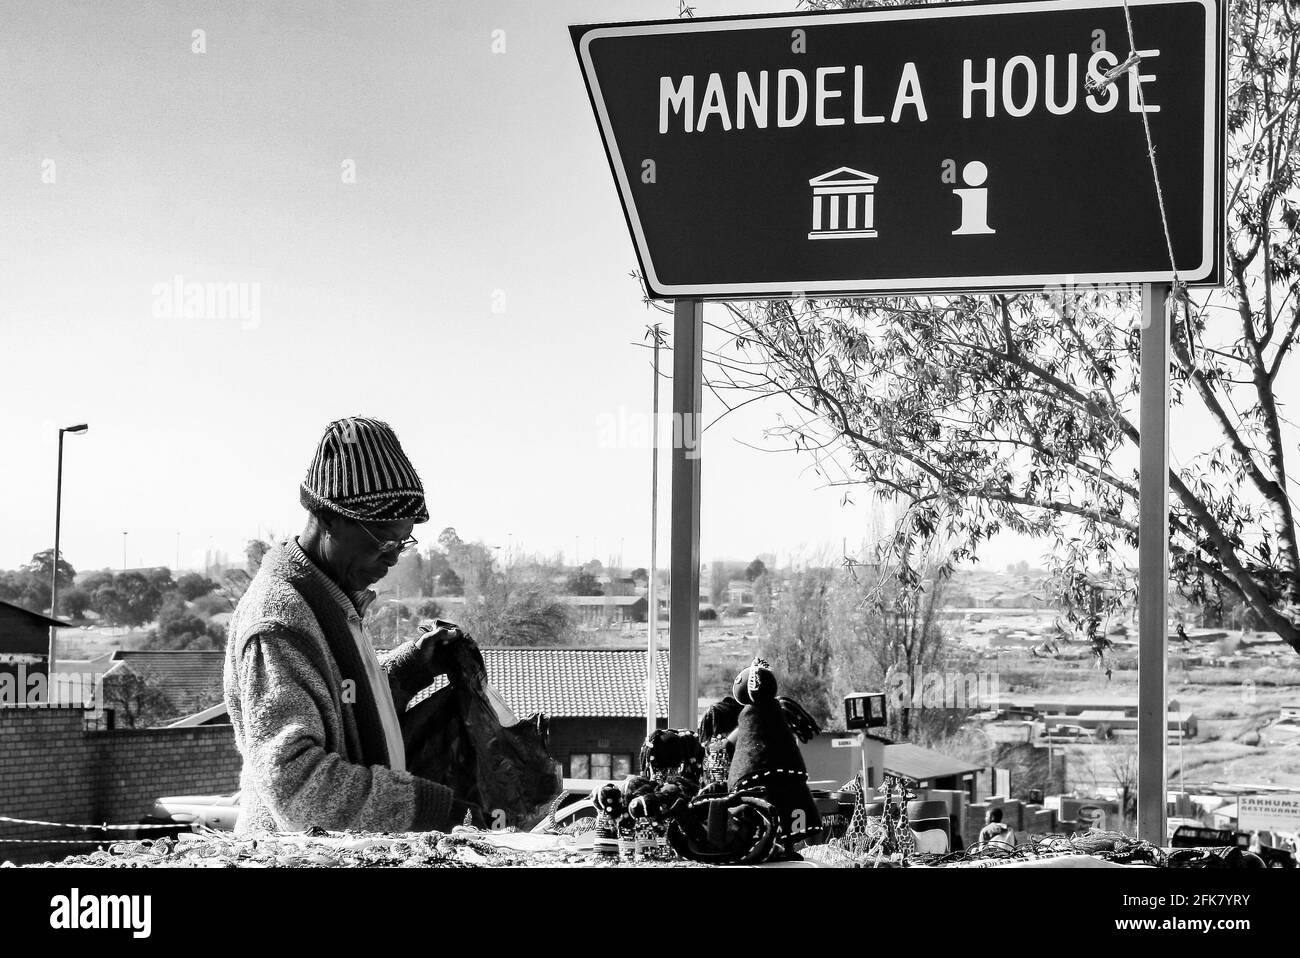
480 182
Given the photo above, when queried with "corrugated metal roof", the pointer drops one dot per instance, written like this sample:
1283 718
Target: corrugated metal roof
600 601
922 764
24 632
214 714
38 617
574 683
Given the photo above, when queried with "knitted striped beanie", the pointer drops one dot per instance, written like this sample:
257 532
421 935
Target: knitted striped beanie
361 473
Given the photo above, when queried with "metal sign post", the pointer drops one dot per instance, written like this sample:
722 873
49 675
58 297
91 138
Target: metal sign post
1153 563
684 548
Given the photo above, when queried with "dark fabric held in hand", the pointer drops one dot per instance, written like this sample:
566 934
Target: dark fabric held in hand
454 737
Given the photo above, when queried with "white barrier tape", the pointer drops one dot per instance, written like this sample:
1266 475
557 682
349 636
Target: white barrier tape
29 821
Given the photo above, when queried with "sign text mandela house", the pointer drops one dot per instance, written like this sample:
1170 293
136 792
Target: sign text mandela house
913 148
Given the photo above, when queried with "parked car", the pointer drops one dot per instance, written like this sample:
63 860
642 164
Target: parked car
186 812
1067 735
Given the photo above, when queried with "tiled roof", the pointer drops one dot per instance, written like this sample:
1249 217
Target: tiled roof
574 683
182 674
99 664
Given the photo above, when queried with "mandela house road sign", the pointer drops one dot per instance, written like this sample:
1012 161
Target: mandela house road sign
914 149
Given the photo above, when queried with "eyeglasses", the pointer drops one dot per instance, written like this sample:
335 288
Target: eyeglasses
390 546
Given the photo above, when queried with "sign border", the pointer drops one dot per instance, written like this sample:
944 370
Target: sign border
1208 272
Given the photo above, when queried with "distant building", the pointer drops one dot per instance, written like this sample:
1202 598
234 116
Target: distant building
740 592
24 643
833 757
25 633
189 680
1073 706
601 610
154 573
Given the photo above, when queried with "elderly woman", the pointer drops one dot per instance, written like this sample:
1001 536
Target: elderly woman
314 709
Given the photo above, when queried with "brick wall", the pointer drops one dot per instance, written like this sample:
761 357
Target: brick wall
53 769
1025 818
46 773
135 766
618 736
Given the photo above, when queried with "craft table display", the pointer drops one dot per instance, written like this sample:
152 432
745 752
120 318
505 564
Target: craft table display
469 848
733 793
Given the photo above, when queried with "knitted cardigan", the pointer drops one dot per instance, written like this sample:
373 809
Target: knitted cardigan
313 755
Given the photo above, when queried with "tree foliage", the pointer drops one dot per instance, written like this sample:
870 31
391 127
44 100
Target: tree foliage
470 564
984 414
180 628
29 585
798 641
389 623
138 699
510 605
130 600
449 583
888 638
408 577
832 631
582 583
73 603
192 586
525 613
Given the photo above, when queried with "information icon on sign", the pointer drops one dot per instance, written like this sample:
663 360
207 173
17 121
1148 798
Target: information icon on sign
974 201
843 204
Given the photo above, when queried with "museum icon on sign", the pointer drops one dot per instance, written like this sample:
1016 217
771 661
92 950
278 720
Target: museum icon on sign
844 205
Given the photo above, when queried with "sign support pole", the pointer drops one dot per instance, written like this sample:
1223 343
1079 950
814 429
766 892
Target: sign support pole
1153 564
684 548
652 630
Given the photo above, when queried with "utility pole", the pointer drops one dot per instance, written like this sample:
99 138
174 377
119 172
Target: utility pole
652 596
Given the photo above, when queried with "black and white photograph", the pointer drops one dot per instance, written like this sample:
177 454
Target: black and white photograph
474 458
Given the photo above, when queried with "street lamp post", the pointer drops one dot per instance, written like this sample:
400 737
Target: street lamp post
77 430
